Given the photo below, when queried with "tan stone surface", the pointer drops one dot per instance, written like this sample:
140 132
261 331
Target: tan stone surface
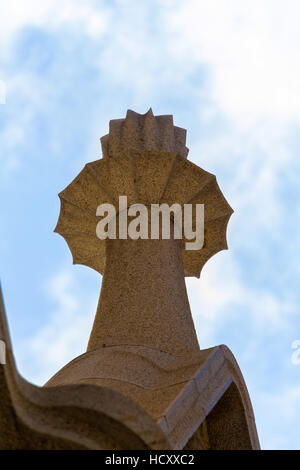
147 163
178 392
143 383
143 297
77 416
143 132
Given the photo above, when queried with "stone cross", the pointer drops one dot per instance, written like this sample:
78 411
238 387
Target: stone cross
143 297
143 383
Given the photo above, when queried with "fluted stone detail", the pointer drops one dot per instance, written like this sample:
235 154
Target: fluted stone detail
143 383
147 163
144 132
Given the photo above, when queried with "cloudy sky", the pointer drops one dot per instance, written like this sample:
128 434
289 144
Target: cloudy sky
229 72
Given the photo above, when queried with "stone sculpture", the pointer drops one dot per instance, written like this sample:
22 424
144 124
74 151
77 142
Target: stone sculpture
144 382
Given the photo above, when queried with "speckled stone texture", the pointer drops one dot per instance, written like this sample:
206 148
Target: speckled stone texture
143 298
148 164
143 383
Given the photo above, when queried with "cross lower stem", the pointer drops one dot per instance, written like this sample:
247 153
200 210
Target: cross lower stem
143 298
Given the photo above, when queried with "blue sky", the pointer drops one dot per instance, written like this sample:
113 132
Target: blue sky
228 71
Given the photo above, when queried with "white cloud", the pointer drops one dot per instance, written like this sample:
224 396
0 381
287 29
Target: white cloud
221 293
280 424
32 92
52 14
64 335
2 92
250 49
